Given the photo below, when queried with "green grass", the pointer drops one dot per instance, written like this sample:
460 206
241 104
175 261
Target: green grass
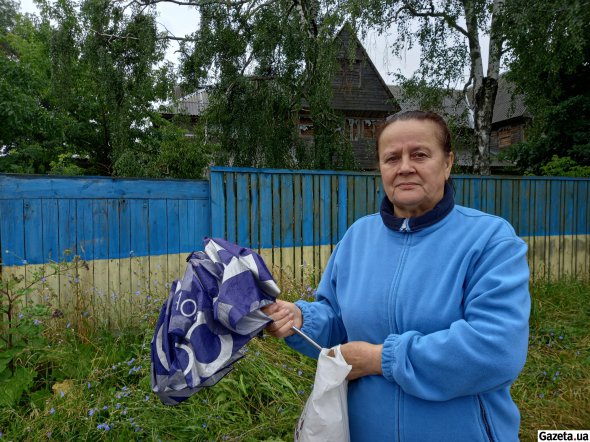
86 382
553 391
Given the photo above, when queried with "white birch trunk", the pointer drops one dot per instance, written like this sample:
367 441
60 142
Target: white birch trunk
484 87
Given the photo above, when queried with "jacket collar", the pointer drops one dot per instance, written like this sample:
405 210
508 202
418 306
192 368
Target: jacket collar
442 209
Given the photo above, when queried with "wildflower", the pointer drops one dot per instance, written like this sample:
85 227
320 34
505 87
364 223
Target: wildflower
62 394
104 426
52 410
117 405
137 293
301 392
68 325
125 411
130 361
88 385
541 395
36 322
204 425
91 412
561 337
299 372
114 367
49 435
21 316
77 280
43 279
106 407
147 397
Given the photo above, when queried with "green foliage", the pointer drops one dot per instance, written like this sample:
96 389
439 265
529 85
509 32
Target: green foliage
266 61
78 94
21 341
549 45
565 167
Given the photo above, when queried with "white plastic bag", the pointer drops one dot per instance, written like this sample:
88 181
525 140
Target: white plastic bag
325 416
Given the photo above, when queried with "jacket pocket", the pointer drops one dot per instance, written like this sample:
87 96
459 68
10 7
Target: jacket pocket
485 421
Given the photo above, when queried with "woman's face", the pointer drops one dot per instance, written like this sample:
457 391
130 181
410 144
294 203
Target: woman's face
413 166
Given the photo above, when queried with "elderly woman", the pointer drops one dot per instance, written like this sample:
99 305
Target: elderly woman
429 299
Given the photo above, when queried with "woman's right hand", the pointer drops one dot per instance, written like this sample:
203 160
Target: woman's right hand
284 315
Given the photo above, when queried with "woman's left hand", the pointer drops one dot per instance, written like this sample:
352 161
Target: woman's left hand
365 358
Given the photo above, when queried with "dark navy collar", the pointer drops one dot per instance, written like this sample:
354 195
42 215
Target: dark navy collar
442 209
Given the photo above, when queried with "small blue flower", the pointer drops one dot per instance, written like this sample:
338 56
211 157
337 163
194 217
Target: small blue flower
21 316
43 279
204 425
117 406
91 412
147 397
125 411
130 361
88 385
49 435
301 392
68 325
36 322
137 293
62 394
52 410
299 372
541 395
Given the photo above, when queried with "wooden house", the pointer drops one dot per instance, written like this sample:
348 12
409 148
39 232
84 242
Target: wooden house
360 95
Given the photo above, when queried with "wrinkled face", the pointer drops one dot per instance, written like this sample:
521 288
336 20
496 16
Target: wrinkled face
413 166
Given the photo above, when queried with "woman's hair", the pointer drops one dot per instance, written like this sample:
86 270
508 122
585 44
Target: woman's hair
444 135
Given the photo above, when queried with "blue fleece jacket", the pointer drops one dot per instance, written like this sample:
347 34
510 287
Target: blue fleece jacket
449 301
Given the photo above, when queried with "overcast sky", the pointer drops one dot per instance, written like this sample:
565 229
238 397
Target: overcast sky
182 20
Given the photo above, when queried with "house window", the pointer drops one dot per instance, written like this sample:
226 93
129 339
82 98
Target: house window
369 127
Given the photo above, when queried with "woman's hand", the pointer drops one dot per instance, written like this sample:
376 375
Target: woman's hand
365 358
284 315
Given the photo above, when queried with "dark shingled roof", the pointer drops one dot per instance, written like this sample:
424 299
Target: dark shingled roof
507 105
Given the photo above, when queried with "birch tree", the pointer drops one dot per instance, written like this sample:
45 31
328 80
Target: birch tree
449 34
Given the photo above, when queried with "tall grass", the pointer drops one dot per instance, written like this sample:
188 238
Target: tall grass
553 391
97 386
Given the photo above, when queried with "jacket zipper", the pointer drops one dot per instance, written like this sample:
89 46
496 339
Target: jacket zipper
485 420
405 226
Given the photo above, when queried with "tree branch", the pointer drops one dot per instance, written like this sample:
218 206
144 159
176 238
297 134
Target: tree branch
433 14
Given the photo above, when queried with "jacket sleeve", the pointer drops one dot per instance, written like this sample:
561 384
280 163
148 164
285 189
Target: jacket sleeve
322 320
483 351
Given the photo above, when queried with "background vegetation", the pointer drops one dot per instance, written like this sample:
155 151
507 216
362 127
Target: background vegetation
83 84
93 383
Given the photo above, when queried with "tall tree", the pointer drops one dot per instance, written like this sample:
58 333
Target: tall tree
449 34
80 85
262 61
549 63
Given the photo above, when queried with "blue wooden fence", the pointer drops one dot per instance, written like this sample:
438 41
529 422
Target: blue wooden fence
133 234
